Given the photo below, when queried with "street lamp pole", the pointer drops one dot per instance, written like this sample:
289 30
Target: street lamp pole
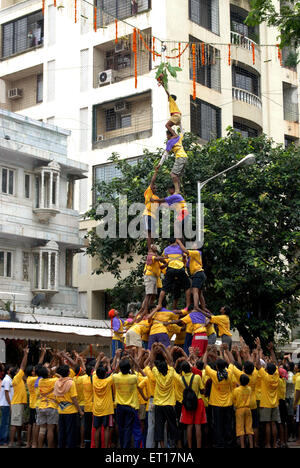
247 160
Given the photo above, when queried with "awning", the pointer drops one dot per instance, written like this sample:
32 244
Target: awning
58 333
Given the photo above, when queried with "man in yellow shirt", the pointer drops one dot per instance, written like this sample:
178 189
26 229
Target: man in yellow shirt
223 322
48 414
175 113
149 214
68 408
221 402
103 405
18 402
269 410
242 399
152 272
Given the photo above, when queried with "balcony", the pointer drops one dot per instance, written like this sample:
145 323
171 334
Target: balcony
108 10
244 96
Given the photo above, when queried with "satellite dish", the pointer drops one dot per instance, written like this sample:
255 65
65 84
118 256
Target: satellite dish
38 299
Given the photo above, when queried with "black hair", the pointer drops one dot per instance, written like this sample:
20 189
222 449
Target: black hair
221 364
172 240
244 380
125 366
29 370
185 367
13 371
89 369
173 96
178 367
101 372
63 371
200 364
238 365
44 373
227 310
163 368
291 366
171 186
77 370
248 367
38 370
271 368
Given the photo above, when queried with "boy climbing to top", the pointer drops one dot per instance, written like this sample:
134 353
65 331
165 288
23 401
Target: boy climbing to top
175 113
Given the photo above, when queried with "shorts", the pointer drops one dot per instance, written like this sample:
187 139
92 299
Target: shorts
165 414
283 411
194 417
212 339
149 223
198 279
173 274
159 338
150 283
32 416
290 406
17 415
200 341
227 340
47 416
133 339
179 165
176 119
142 412
243 422
269 415
105 421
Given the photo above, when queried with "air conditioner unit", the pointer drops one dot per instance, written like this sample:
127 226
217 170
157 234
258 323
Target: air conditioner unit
122 106
100 137
106 77
15 93
121 46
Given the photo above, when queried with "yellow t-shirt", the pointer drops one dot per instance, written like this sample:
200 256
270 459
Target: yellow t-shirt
150 207
210 329
153 269
126 389
103 404
145 386
161 316
173 330
195 262
269 389
151 379
297 387
164 394
241 396
252 383
197 327
32 391
20 394
174 109
223 323
282 389
180 338
47 397
141 328
221 392
79 388
178 149
65 403
87 393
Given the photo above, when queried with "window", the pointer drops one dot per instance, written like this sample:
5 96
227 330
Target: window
39 88
117 61
288 141
69 268
27 185
245 131
114 120
208 71
290 102
205 120
205 13
246 80
22 34
7 182
5 264
238 26
122 8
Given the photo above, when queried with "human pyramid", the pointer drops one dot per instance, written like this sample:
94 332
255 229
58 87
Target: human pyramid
182 269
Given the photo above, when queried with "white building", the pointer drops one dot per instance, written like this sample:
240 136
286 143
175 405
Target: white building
57 68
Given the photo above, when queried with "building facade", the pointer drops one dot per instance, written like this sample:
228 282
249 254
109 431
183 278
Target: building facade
39 233
76 68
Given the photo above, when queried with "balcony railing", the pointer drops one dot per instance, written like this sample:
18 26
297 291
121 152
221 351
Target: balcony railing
245 96
242 41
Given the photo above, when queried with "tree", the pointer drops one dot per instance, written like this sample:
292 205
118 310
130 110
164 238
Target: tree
252 238
285 15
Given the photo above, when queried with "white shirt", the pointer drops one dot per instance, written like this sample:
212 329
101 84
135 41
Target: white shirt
6 386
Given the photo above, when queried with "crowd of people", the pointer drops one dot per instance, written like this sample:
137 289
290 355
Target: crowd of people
158 398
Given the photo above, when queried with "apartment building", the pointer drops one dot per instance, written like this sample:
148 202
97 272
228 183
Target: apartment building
64 66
